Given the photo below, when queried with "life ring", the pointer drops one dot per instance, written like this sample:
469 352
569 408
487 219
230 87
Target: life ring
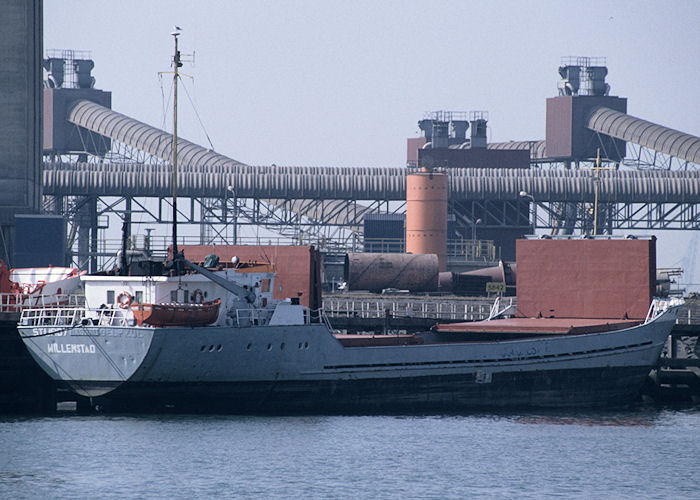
124 300
198 296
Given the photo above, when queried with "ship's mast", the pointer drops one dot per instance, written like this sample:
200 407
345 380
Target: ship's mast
177 63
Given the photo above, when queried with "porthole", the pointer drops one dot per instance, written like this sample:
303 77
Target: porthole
300 345
211 348
282 346
269 347
219 347
249 347
306 345
202 348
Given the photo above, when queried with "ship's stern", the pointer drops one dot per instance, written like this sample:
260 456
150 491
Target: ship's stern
91 360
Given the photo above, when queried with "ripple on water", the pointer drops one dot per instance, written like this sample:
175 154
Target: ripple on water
646 452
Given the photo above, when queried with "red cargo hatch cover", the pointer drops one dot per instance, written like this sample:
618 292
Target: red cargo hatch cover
542 326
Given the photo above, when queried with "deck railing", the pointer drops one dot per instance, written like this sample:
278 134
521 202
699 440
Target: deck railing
16 302
65 316
248 317
659 306
377 308
52 308
690 312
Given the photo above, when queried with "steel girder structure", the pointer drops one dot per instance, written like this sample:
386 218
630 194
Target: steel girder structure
568 218
224 219
635 130
294 219
616 216
137 142
220 221
340 219
656 216
650 147
489 214
640 157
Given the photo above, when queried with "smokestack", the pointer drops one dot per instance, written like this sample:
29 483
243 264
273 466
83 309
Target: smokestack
426 214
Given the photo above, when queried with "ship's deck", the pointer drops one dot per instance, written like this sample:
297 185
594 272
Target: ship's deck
539 326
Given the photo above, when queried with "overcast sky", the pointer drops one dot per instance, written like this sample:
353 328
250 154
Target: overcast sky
344 83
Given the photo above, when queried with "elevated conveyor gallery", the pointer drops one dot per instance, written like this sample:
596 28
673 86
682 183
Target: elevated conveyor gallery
141 136
205 173
635 130
329 183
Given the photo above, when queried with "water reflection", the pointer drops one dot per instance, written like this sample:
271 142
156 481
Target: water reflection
637 416
634 417
591 421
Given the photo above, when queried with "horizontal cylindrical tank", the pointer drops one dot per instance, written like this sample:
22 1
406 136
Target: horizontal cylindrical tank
426 215
378 271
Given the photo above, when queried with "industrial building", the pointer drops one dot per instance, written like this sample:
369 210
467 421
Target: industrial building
72 168
98 167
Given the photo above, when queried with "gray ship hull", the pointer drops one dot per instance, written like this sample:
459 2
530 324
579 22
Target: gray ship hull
292 369
593 387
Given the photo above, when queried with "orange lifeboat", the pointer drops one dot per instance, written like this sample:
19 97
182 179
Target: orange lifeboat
176 314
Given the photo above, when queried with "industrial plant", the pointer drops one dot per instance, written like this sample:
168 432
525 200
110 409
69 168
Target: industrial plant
86 187
466 200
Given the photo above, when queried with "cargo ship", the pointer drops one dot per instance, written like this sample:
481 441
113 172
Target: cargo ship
180 336
261 354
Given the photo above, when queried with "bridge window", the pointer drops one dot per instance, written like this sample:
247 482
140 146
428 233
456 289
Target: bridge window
138 296
110 296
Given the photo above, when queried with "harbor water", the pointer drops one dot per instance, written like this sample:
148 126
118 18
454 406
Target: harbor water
638 453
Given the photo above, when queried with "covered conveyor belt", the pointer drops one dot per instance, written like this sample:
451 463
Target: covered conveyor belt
205 173
195 163
631 129
332 183
141 136
537 148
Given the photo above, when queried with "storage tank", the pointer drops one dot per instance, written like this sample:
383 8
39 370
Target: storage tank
377 271
426 214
